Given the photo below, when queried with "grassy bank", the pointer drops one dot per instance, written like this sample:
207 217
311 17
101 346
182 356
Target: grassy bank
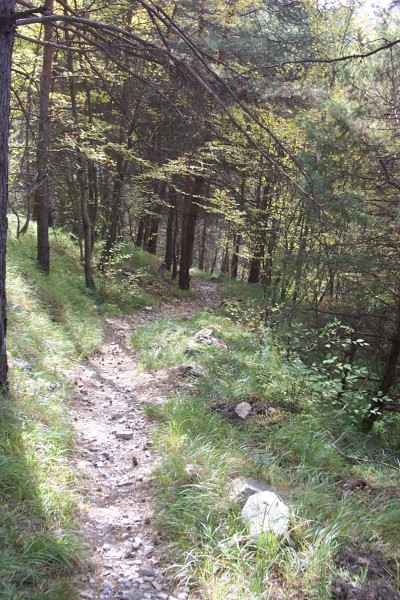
53 322
342 487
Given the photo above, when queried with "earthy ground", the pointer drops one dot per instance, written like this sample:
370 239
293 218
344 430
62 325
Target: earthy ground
115 457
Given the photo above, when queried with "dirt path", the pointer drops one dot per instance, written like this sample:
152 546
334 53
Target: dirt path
114 454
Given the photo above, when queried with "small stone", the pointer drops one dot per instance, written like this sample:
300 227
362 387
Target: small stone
137 543
162 596
135 461
22 364
148 308
148 550
243 410
94 375
147 572
131 595
157 586
118 415
87 594
124 435
108 586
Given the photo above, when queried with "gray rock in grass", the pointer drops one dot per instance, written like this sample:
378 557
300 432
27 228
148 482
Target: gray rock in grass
264 512
244 487
243 410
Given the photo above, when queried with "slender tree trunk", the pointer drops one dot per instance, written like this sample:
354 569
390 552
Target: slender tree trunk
225 259
300 263
87 229
388 377
169 236
152 239
94 200
214 262
82 177
202 254
255 265
270 249
6 44
260 235
235 256
174 273
193 189
42 191
140 233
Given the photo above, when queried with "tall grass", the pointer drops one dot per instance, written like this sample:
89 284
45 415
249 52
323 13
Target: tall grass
298 445
53 322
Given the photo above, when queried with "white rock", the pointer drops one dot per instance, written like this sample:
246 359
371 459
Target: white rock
87 594
94 375
265 512
243 410
245 487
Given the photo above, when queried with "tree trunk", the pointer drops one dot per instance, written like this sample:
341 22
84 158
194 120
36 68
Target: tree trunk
193 189
174 273
235 256
299 263
255 266
140 233
202 254
94 200
169 236
6 44
225 259
42 191
388 378
155 218
83 181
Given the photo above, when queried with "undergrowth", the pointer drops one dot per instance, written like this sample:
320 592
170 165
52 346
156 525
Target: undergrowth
341 485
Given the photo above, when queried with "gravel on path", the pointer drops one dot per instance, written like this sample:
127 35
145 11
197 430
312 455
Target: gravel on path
116 459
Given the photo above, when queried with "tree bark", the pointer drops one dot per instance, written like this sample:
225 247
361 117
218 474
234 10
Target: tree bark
155 218
193 189
202 254
6 43
140 233
42 191
174 273
83 181
235 255
388 377
169 236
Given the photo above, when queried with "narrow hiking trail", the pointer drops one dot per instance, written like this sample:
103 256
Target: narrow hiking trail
115 457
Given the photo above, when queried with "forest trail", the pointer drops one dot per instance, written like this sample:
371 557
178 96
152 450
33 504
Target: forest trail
114 454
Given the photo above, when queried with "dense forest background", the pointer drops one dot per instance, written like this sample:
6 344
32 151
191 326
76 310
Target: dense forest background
251 139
